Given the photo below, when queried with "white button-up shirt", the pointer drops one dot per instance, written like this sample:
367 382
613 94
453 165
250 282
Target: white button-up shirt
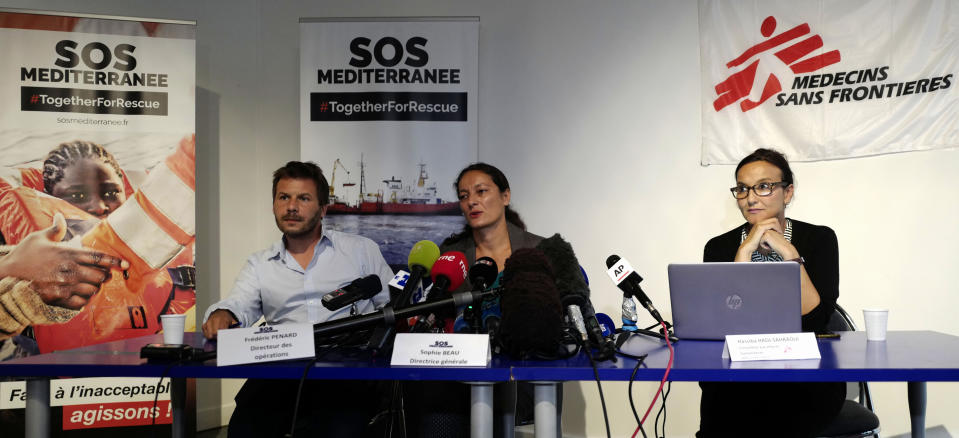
275 286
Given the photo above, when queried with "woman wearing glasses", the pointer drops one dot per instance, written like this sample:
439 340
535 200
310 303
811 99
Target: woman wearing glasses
764 187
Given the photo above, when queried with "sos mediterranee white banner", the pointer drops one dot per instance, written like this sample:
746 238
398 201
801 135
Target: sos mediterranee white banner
823 80
388 111
97 151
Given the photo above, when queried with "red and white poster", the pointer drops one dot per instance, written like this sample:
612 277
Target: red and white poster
824 80
97 154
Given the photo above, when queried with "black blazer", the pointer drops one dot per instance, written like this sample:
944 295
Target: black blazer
819 248
464 243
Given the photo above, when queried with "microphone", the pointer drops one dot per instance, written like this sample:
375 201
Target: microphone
359 289
628 281
574 293
389 315
481 276
490 317
424 324
532 315
466 322
448 274
490 322
381 336
606 324
420 261
483 273
575 316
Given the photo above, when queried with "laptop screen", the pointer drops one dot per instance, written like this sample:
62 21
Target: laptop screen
712 300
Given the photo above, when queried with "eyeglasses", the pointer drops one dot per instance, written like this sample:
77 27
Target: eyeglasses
741 191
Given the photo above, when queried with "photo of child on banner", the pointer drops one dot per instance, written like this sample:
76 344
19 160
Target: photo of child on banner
88 257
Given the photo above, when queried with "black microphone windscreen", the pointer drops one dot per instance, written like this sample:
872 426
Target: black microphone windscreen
573 300
526 260
532 314
569 278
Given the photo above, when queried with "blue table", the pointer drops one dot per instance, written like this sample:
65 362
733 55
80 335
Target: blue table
122 359
915 357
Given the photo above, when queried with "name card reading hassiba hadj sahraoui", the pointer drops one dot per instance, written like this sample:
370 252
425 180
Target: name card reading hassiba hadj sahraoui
780 346
266 343
441 350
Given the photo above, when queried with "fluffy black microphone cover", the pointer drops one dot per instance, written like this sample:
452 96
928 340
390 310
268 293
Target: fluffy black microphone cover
570 283
532 314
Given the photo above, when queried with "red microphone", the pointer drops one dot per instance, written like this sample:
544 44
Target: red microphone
448 273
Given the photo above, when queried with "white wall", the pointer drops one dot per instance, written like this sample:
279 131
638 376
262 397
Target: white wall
592 110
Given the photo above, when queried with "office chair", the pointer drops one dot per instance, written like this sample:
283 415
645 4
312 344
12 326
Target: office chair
856 418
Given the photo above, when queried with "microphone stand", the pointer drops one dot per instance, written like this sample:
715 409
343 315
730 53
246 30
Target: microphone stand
389 315
381 338
623 335
385 321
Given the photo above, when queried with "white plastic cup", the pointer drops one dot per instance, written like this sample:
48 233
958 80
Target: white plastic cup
876 320
173 328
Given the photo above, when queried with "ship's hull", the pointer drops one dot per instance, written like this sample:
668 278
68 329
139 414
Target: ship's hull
444 209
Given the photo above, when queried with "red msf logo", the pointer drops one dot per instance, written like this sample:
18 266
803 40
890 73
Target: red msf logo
739 85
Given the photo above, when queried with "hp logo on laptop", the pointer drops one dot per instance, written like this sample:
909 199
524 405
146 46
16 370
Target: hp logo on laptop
734 302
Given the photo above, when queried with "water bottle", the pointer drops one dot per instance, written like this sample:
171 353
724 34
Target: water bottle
629 314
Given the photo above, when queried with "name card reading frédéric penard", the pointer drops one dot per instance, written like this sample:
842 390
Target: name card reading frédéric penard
441 350
266 343
779 346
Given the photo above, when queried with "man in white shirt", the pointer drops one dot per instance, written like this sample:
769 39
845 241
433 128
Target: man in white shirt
284 284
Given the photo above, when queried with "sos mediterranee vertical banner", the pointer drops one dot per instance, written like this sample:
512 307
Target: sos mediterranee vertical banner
823 80
97 121
388 111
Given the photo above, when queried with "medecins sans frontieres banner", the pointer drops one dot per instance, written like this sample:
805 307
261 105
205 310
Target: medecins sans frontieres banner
825 80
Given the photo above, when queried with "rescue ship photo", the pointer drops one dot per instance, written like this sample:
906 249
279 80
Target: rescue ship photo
420 198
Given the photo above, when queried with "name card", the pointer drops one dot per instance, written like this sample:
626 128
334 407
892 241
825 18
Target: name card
782 346
264 344
441 350
798 364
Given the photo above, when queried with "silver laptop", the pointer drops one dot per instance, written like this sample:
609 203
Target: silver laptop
712 300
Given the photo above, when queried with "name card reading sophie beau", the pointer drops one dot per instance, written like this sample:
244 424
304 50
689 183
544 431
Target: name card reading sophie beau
441 350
